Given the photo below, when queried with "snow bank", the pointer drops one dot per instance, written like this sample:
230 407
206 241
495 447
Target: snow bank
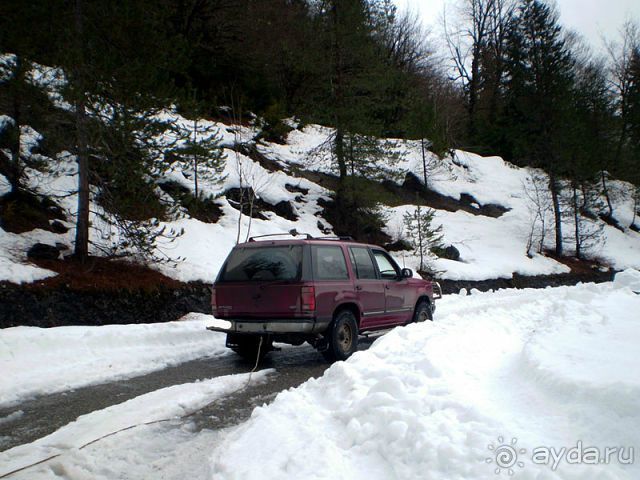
36 361
166 403
545 368
630 278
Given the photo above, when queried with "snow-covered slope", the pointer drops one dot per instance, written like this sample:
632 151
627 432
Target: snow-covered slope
490 247
526 369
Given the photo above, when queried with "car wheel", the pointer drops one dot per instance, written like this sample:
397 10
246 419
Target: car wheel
342 338
247 347
422 313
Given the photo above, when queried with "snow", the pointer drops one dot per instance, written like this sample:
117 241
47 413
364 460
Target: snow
37 361
490 247
630 278
67 442
16 272
203 247
13 259
552 368
547 368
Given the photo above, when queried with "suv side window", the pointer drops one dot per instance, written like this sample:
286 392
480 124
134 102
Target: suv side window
386 265
329 263
362 263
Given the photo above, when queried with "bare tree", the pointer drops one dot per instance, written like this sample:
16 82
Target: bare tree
406 42
581 201
536 190
621 78
476 42
253 181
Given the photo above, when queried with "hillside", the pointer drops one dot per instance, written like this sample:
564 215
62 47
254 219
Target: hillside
482 204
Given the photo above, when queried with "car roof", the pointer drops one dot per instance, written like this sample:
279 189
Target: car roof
310 241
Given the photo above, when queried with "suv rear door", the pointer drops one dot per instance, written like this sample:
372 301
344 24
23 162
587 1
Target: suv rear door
261 282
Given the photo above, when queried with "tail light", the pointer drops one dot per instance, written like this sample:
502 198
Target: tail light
308 299
214 305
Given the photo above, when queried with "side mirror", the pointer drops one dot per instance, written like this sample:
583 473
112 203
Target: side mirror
406 273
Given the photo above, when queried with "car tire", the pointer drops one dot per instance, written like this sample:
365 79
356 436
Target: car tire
342 337
247 347
422 312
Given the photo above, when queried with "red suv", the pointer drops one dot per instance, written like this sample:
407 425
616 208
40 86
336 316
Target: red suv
325 291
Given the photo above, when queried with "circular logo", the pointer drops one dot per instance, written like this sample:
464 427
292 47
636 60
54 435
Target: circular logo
505 455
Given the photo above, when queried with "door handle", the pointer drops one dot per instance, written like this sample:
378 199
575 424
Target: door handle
387 287
358 287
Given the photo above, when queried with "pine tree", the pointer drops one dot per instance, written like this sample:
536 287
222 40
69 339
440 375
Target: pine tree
423 235
198 152
540 77
119 59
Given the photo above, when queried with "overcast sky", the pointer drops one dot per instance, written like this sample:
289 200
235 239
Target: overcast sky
592 18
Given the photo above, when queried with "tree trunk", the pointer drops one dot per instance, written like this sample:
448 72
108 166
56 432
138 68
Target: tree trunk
420 241
473 92
251 200
557 212
342 163
636 195
240 206
82 226
195 158
424 163
576 219
14 172
605 190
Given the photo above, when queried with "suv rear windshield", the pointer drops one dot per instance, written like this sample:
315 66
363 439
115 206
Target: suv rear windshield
263 264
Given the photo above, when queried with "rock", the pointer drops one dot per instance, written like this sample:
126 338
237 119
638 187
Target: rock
323 228
58 227
398 245
42 251
296 188
451 253
62 247
286 210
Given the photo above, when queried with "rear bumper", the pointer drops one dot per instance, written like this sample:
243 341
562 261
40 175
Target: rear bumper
297 325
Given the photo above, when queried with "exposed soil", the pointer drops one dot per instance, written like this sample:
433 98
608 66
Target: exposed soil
102 274
609 220
521 281
250 150
413 191
99 292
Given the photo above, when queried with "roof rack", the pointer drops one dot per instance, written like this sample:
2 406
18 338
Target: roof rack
293 233
344 238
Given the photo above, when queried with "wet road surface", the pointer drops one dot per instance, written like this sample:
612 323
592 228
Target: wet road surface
44 415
